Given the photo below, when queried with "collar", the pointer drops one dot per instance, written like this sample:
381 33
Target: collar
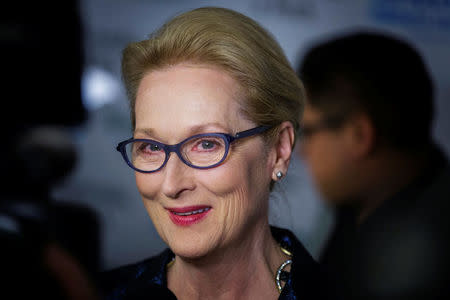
149 277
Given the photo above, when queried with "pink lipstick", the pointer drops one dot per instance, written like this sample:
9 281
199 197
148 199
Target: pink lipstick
188 215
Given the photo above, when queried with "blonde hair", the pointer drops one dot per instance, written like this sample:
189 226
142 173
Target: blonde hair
233 42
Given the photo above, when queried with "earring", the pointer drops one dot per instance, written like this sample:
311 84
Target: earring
279 175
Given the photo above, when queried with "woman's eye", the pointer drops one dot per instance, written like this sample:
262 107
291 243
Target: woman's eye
207 145
149 148
154 147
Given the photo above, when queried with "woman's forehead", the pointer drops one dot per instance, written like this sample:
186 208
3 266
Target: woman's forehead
188 97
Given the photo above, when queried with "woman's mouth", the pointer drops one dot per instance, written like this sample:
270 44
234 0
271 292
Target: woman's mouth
185 216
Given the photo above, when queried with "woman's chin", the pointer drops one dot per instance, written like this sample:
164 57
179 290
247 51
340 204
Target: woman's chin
190 252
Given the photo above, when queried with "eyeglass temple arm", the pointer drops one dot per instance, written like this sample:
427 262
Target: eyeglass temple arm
250 132
120 145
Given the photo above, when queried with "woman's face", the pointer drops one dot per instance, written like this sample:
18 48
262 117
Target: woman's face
228 202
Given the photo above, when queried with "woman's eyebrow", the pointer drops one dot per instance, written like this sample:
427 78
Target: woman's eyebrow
192 130
145 131
207 128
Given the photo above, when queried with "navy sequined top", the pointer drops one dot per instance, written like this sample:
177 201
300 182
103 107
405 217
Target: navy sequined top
147 279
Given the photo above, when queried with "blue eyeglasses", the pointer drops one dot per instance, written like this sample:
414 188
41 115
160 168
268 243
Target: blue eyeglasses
201 151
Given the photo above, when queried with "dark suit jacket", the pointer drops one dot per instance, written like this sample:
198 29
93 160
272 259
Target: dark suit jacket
402 250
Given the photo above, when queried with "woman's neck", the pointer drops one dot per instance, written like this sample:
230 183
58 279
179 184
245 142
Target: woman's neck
243 270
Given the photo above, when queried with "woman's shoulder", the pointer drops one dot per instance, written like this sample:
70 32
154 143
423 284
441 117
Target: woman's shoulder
146 277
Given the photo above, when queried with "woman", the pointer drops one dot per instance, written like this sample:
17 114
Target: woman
215 88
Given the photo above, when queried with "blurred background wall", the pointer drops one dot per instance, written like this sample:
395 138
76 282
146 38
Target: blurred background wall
102 180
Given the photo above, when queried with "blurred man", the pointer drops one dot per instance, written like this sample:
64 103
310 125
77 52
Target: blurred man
367 140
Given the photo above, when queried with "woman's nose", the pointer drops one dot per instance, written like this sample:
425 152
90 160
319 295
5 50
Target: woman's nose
178 177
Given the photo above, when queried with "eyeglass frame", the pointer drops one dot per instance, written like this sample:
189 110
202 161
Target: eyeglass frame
168 149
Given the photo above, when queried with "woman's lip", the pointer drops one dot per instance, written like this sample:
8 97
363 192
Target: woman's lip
186 209
185 216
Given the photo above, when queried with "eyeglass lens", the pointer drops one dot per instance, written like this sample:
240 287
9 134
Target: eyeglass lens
201 151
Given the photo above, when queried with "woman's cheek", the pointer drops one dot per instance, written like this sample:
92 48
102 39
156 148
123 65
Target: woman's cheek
147 185
230 187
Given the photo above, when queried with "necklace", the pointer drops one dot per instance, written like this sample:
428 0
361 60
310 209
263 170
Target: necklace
282 275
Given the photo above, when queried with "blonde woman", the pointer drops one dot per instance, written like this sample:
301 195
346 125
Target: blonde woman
215 110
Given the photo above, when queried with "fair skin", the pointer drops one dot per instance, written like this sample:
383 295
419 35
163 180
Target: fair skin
351 166
217 257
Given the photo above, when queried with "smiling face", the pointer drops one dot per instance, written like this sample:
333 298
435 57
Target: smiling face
198 211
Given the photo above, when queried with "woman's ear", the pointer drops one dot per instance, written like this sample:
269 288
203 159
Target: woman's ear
283 150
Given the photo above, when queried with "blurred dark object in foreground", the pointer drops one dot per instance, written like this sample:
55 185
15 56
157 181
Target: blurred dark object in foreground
49 248
42 62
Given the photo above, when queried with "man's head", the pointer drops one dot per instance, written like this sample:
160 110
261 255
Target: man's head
366 92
